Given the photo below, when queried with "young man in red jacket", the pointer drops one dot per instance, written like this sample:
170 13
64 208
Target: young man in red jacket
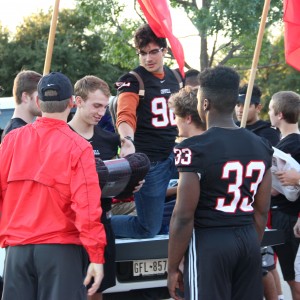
49 201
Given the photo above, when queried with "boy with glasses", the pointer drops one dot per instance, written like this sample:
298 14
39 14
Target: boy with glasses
147 125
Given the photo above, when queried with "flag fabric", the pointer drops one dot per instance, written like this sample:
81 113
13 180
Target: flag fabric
291 18
158 15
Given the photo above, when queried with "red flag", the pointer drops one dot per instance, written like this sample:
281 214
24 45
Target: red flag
158 15
291 19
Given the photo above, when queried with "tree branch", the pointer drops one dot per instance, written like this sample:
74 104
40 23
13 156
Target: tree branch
230 54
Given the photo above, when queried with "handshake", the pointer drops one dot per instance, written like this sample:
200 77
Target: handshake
118 178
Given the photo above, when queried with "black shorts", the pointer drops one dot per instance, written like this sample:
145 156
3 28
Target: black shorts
286 252
223 264
45 271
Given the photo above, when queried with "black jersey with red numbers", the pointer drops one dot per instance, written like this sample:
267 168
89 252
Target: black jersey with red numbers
231 164
291 145
156 129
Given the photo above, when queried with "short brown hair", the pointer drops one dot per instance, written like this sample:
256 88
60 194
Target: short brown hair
184 103
88 84
287 103
25 81
54 106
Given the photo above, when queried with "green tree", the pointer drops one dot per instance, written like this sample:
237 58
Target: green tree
108 20
229 27
5 60
77 51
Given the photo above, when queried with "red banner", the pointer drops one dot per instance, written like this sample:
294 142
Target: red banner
158 15
291 20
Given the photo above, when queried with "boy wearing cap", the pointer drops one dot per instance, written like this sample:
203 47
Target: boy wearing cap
50 208
257 126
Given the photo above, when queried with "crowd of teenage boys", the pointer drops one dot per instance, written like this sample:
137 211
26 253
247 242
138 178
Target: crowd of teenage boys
60 239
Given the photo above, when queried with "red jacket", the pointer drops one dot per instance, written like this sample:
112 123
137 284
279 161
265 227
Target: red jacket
49 189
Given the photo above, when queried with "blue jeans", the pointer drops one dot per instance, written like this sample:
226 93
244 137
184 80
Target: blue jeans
149 202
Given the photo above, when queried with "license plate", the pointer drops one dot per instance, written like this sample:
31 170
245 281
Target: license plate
149 267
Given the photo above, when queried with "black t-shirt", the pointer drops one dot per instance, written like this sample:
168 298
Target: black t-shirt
156 128
291 145
105 145
264 130
231 164
13 124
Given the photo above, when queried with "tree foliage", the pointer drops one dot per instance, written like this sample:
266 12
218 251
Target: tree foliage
228 30
108 20
77 51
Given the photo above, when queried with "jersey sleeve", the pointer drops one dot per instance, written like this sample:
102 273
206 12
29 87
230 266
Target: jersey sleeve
127 83
187 157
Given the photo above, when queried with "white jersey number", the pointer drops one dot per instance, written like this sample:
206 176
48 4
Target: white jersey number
183 156
243 203
163 116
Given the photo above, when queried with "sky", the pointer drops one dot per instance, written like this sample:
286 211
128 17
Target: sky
13 12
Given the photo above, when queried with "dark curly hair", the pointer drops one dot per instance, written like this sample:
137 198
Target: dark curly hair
220 85
144 35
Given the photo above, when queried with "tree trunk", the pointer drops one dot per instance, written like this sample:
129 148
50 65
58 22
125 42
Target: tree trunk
204 61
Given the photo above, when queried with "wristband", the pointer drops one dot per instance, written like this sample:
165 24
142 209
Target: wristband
129 138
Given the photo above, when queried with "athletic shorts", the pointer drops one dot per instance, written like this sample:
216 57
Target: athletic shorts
286 252
44 271
223 264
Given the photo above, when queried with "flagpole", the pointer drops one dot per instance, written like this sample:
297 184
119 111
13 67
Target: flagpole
255 62
51 38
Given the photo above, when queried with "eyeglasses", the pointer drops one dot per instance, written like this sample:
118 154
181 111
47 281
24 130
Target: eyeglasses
152 52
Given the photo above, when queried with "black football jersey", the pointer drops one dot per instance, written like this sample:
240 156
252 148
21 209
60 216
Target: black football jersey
156 128
231 164
291 145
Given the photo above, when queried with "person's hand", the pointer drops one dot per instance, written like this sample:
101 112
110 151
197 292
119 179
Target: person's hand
297 228
94 271
290 177
175 284
127 147
139 186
